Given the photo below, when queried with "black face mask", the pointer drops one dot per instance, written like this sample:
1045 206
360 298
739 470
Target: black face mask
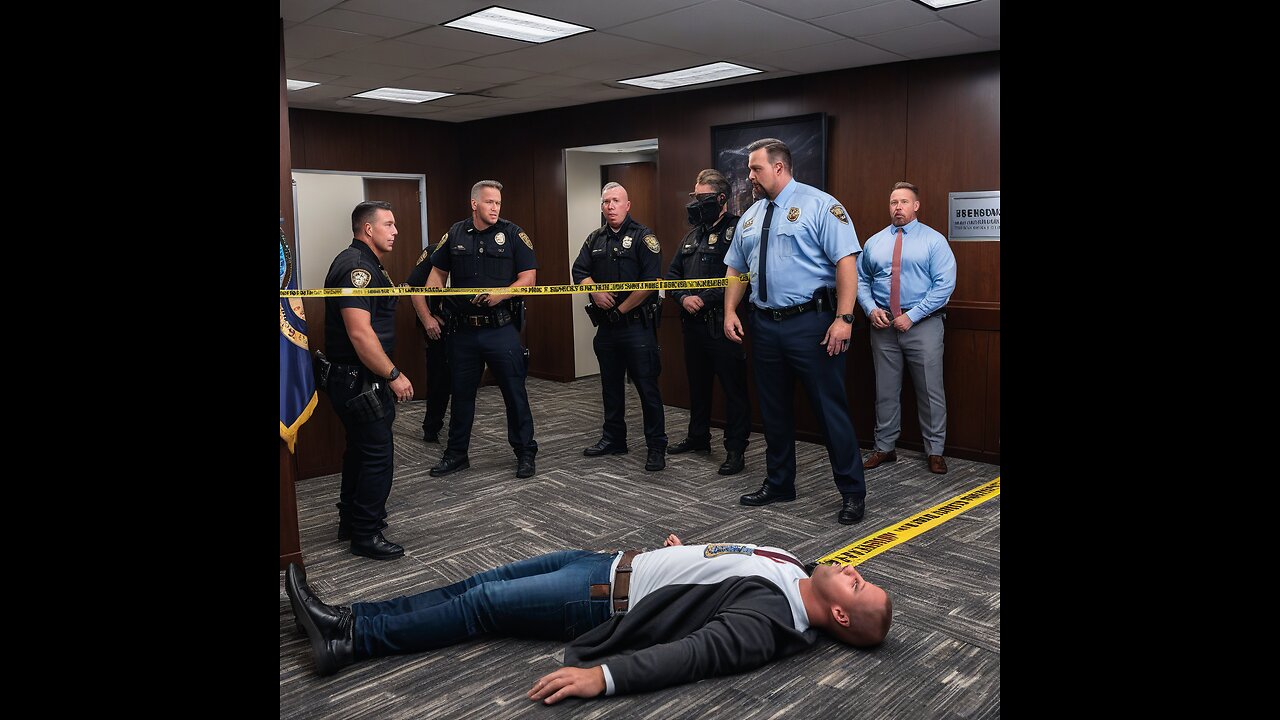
703 210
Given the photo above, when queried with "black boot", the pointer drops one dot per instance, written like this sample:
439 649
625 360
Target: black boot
376 547
525 467
656 460
733 464
331 630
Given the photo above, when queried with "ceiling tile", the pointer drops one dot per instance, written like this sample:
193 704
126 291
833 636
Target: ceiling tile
428 12
393 52
383 27
919 38
355 69
317 42
595 15
299 10
567 53
965 47
980 18
723 27
877 19
808 9
455 39
832 56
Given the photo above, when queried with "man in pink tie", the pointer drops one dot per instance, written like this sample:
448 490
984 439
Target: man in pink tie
905 276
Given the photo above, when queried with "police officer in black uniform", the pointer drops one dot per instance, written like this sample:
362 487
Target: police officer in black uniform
623 250
707 352
363 383
486 251
437 349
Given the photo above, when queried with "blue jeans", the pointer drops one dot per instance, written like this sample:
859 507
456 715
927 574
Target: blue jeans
547 597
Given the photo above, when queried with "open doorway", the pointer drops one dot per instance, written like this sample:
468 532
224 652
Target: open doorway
587 169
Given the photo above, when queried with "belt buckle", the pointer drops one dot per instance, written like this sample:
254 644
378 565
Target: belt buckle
777 315
474 320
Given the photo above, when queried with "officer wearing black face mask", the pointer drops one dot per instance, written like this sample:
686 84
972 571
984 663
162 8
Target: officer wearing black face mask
707 352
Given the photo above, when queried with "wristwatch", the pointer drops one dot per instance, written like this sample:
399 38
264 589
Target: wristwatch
848 317
395 373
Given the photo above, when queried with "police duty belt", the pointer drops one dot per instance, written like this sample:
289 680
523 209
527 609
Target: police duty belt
696 284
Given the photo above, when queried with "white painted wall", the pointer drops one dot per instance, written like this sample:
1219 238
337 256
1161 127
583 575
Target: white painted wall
582 191
324 222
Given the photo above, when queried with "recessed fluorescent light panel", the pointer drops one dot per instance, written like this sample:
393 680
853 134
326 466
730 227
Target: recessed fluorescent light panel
691 76
402 95
300 85
515 25
939 4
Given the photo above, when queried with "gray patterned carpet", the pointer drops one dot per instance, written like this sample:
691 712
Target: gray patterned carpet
940 660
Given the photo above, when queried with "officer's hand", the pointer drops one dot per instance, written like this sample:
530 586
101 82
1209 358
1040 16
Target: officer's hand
432 326
672 540
692 303
837 337
603 300
902 323
490 300
733 327
879 318
402 388
568 682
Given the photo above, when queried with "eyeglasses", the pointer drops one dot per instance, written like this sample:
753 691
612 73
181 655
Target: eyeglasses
703 196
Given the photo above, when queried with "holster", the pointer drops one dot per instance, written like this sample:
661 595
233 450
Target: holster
449 318
370 405
596 314
321 367
517 313
715 322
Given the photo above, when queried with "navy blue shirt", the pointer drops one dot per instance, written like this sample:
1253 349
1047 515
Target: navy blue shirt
493 257
358 267
701 255
630 254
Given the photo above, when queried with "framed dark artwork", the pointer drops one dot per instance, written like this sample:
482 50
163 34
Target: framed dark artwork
806 135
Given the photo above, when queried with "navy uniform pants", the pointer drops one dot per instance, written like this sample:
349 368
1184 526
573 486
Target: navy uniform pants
706 358
439 384
369 460
787 350
469 350
629 349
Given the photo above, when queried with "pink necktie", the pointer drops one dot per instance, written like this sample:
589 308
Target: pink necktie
895 285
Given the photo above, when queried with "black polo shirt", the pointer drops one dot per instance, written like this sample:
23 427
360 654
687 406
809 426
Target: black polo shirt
358 267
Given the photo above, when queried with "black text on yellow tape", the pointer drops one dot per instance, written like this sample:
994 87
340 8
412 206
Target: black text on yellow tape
885 538
696 284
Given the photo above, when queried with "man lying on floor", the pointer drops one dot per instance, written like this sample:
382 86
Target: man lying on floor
636 621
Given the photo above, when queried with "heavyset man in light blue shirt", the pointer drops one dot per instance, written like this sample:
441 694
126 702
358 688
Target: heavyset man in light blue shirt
926 278
804 285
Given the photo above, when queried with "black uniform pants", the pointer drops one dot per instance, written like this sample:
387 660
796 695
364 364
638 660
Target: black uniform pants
469 350
439 384
706 358
629 349
368 463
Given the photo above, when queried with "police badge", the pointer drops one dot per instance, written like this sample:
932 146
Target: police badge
793 214
500 239
360 277
712 240
526 240
728 233
626 242
651 242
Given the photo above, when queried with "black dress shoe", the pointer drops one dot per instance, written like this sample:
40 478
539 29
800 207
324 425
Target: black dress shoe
331 630
686 445
656 460
525 466
765 495
851 511
376 547
604 447
450 463
732 464
431 437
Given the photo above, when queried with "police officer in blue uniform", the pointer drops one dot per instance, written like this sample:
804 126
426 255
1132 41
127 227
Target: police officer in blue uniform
486 251
801 249
362 382
429 320
623 250
707 353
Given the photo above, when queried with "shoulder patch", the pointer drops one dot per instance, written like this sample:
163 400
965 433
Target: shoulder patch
526 239
360 277
443 239
840 214
750 221
651 242
425 253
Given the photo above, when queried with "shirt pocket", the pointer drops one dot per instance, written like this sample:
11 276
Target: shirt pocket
498 262
463 264
787 242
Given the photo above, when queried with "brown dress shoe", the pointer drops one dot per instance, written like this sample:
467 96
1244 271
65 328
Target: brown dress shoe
877 457
937 464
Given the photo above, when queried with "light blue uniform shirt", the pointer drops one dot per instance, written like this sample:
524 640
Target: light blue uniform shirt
811 232
928 270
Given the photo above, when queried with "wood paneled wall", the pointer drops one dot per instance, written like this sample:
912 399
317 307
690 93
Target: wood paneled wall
932 122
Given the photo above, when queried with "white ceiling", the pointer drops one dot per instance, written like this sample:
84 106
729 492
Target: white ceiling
356 45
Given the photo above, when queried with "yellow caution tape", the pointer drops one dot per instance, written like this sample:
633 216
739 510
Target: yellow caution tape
887 537
531 290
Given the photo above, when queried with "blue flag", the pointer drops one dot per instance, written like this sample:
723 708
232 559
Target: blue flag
297 384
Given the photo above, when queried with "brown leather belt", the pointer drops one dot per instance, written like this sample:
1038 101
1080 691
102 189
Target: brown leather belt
621 584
